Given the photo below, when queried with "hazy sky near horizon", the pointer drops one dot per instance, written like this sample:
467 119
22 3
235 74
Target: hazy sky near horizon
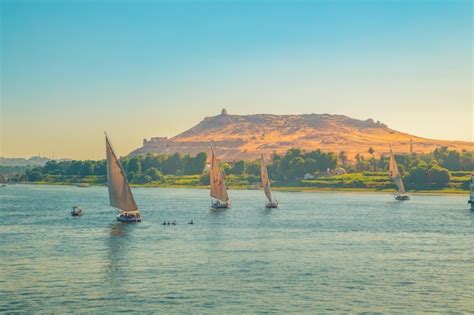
71 69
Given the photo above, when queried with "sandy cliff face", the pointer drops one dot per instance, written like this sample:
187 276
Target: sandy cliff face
247 136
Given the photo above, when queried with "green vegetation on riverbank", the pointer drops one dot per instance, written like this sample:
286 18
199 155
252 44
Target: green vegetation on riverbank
441 170
367 182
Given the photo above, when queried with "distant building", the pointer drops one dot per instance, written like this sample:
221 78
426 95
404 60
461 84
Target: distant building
159 143
224 111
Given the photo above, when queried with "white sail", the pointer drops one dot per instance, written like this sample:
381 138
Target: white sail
218 187
395 175
120 194
265 180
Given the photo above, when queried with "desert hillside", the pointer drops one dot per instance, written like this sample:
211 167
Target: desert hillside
247 136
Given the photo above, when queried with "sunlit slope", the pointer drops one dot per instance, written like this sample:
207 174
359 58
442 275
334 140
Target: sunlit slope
247 136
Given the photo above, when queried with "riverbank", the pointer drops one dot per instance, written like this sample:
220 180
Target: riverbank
447 191
363 181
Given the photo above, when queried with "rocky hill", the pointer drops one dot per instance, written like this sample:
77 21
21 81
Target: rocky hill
247 136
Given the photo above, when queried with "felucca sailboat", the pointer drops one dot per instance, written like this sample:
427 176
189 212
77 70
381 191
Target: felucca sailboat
272 203
120 194
395 175
218 188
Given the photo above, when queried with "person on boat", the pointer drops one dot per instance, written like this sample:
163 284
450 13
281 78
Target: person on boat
168 222
174 222
164 223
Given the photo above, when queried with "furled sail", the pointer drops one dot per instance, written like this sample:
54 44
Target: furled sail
218 187
265 180
120 194
395 174
2 179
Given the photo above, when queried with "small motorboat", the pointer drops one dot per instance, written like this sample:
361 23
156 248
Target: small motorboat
77 211
402 197
129 216
191 222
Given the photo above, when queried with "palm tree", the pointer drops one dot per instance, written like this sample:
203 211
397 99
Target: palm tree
371 152
343 157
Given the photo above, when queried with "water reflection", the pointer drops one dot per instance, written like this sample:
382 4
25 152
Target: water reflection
116 256
470 212
217 211
117 229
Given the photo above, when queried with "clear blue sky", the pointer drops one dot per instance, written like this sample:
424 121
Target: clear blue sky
71 69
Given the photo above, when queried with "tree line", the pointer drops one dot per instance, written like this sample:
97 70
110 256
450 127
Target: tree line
420 170
139 169
417 169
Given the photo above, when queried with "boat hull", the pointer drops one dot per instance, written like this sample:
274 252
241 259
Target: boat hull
402 197
77 212
271 205
129 219
217 204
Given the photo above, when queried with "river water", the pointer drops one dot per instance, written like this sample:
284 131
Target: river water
319 252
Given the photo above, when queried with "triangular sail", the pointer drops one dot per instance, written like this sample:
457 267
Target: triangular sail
213 175
265 180
395 175
120 194
218 187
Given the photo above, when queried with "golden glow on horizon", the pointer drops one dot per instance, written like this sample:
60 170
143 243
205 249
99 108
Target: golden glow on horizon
407 65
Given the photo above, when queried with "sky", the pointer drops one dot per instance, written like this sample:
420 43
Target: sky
139 69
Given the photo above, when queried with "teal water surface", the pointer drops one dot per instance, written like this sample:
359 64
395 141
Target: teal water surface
319 252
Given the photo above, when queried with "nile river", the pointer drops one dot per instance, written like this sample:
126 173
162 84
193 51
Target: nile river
319 252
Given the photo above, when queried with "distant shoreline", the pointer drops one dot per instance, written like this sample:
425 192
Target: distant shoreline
283 189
